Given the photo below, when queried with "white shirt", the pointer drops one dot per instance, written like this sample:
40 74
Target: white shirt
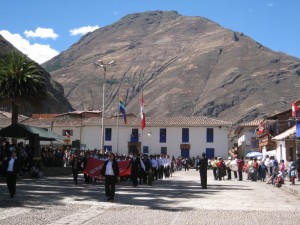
109 170
10 167
154 163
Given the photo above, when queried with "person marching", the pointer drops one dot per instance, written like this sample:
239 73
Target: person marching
110 171
203 170
76 166
13 168
136 168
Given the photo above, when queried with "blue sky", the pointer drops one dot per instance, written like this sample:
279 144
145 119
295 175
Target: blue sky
44 28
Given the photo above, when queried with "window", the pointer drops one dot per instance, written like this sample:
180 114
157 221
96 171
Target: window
145 149
107 148
185 153
210 135
135 135
163 135
107 134
210 153
163 150
67 133
185 135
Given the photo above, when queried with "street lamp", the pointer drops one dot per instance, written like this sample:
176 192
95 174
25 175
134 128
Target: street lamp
149 135
103 65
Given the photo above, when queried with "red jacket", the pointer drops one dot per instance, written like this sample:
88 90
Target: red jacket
240 164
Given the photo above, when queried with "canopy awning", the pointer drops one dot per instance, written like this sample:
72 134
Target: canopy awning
21 131
285 134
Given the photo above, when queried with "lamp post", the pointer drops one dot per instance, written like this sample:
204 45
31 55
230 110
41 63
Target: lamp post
149 135
103 65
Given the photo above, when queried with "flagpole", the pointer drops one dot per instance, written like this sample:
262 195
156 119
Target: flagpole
118 123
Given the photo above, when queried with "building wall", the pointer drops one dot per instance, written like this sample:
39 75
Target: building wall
245 141
91 136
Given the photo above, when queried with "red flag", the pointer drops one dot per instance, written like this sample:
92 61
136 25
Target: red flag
261 128
294 110
143 119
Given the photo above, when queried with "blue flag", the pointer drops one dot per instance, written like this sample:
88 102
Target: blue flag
298 130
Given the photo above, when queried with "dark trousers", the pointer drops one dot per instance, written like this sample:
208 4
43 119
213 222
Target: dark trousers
110 184
75 175
134 179
298 171
203 179
155 173
11 183
228 173
240 175
215 172
161 172
235 174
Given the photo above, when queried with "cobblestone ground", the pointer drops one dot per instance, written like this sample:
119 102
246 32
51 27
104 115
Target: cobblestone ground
176 200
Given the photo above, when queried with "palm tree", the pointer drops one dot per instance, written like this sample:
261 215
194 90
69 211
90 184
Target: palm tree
20 82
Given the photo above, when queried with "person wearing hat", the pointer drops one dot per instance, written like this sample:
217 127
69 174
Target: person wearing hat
13 168
203 170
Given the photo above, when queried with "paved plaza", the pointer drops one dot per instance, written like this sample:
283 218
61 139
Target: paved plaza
176 200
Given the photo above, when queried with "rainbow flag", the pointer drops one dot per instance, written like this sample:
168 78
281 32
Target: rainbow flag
122 109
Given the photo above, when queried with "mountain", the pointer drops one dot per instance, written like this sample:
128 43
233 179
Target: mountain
185 66
56 102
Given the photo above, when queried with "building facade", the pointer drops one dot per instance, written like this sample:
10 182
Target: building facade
175 136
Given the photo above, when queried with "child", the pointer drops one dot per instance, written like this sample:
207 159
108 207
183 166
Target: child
279 180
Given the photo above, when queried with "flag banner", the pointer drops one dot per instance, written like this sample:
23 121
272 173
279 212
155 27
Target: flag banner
143 119
298 130
122 109
261 128
294 110
94 166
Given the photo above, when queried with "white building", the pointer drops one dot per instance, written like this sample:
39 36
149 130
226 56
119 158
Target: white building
247 139
178 136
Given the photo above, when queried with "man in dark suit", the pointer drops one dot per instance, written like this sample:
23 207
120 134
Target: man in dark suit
203 170
13 168
136 168
76 166
110 171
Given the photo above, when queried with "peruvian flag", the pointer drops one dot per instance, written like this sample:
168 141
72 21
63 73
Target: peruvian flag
294 110
143 119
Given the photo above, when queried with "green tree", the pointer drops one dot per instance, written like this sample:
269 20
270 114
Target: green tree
20 82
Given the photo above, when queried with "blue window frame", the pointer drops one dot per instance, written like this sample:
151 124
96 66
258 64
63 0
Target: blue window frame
108 148
163 150
185 135
210 135
210 153
163 135
107 134
185 153
134 135
145 149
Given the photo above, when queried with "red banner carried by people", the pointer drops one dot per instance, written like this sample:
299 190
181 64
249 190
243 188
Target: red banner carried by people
94 167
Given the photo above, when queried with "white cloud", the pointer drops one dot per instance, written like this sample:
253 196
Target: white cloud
41 33
270 4
37 52
83 30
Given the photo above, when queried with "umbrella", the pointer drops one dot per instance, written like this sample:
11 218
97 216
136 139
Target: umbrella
254 154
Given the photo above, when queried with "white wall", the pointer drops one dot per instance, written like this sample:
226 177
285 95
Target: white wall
90 135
